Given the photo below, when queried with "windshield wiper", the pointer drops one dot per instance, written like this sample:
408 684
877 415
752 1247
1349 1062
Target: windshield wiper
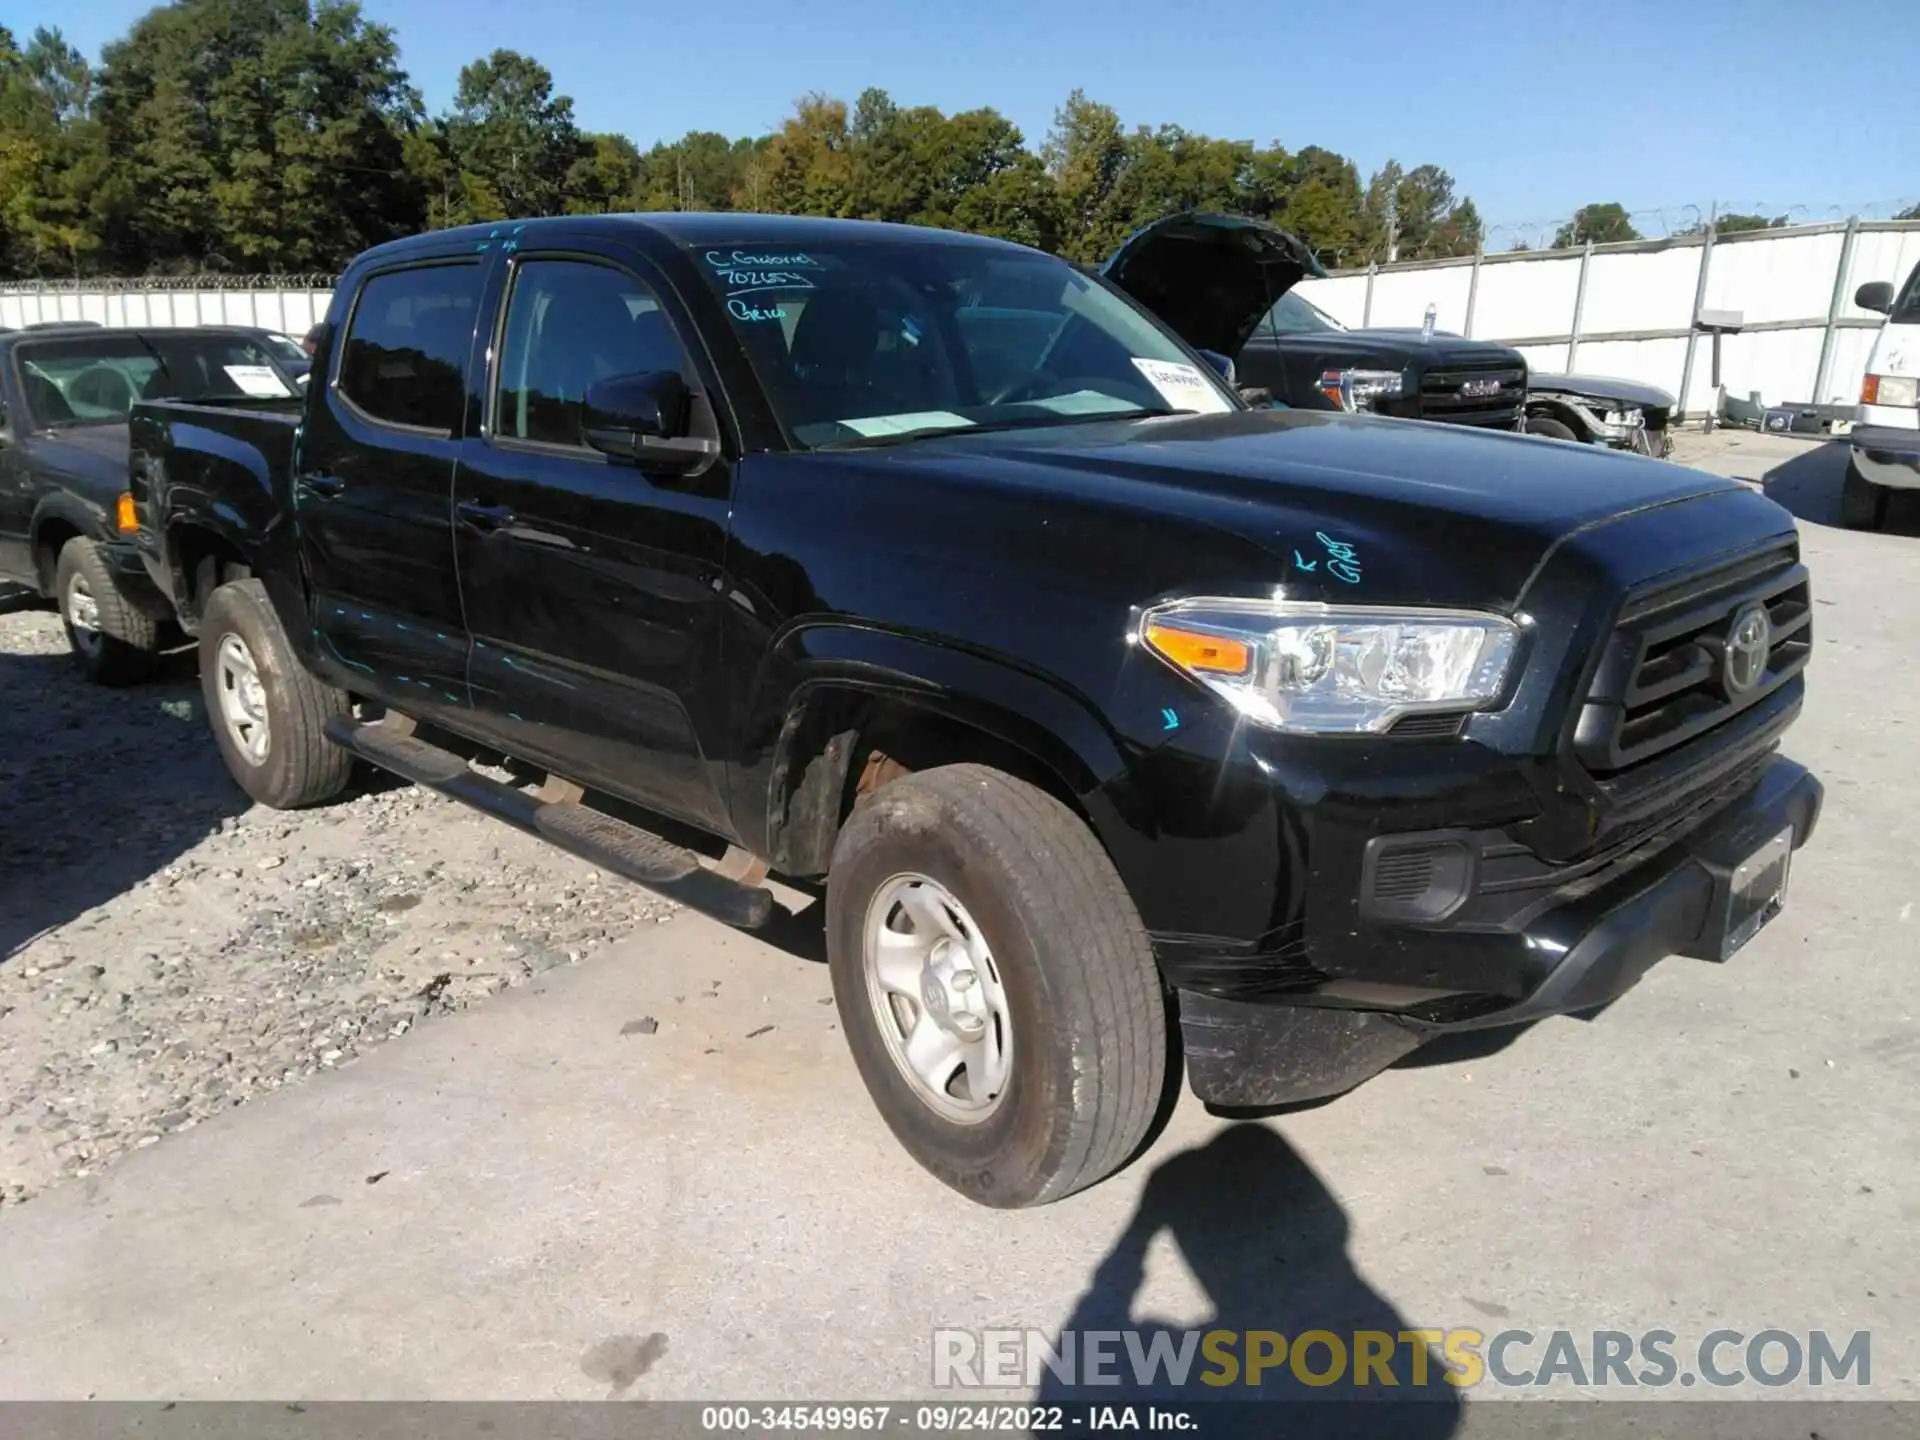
1024 422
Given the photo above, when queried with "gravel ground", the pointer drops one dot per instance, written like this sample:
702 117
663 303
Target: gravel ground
169 950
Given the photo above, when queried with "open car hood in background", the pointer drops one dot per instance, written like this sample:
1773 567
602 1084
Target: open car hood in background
1212 278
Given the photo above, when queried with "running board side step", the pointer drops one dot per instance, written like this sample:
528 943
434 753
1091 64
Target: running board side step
614 845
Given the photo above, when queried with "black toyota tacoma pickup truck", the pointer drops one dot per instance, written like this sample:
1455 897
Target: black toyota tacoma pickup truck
1128 726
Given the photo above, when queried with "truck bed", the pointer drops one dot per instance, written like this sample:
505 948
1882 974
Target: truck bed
220 469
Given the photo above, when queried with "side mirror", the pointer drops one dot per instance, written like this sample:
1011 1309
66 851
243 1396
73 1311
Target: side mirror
642 418
1875 295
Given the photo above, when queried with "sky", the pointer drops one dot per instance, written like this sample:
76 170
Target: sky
1534 107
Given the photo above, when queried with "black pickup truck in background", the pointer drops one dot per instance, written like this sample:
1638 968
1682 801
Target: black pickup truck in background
1130 728
1226 283
66 518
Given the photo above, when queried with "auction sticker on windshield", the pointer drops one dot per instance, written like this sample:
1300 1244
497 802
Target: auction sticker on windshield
261 381
1181 386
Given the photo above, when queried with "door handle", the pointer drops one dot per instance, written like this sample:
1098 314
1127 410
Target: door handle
484 517
322 487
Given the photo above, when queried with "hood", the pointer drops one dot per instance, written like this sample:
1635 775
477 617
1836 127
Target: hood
1431 514
1601 387
1210 277
1397 348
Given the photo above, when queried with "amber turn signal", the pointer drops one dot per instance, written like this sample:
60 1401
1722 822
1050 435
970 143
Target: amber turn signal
1195 650
124 518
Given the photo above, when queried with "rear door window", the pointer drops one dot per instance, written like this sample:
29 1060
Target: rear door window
405 359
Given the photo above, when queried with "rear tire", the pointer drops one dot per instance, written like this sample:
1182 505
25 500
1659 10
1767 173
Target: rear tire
1037 916
1863 504
1551 429
268 714
114 640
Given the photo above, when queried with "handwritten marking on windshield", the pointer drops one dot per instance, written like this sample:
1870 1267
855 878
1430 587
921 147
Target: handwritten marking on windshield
1344 561
747 311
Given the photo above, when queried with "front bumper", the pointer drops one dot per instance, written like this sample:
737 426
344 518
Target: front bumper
1575 956
1886 455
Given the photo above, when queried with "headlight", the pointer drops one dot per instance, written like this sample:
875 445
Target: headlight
1631 419
1890 390
1328 670
1358 389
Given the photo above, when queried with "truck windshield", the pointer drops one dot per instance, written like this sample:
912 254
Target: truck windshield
869 343
1906 309
1293 315
94 379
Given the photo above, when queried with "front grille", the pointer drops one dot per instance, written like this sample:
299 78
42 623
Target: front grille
1492 395
1666 675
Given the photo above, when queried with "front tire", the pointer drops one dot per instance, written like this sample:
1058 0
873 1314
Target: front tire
1550 429
268 714
996 986
1863 504
114 640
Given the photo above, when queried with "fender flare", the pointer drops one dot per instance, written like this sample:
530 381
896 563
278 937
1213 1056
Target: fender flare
821 680
65 508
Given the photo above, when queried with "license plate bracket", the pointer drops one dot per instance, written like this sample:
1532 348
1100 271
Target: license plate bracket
1756 891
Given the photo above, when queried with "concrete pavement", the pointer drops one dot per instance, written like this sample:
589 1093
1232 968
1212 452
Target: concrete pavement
539 1199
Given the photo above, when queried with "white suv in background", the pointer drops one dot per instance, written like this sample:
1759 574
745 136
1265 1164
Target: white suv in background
1886 441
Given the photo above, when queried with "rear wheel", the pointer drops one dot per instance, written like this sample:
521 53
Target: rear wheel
268 714
114 640
1863 504
1551 429
996 986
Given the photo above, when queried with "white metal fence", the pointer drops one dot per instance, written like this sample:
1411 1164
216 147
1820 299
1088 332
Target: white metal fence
1628 310
1625 310
288 303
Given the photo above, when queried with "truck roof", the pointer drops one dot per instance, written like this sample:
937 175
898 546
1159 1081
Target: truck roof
690 228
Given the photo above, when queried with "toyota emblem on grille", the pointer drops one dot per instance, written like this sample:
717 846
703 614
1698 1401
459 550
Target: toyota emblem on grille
1479 389
1749 639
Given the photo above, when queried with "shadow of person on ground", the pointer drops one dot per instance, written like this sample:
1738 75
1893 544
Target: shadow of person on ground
1267 1242
99 788
1809 486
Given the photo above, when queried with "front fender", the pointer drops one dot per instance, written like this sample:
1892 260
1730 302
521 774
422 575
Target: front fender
64 508
822 680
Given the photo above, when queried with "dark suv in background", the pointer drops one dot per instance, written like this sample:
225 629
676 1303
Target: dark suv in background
1225 283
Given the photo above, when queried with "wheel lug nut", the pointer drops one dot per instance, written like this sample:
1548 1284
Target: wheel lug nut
964 980
968 1021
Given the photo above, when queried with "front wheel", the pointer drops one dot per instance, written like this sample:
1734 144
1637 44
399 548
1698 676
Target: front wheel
996 986
268 714
115 641
1551 429
1863 504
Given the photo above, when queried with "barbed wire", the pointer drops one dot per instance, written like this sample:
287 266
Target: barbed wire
1659 222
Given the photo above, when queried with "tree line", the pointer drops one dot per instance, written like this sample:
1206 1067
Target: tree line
284 135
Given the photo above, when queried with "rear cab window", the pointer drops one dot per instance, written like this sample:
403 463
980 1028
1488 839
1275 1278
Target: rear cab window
95 379
405 359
